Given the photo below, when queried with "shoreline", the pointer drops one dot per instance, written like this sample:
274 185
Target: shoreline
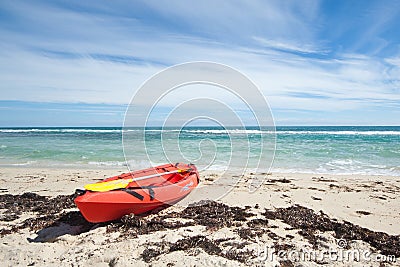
366 201
124 168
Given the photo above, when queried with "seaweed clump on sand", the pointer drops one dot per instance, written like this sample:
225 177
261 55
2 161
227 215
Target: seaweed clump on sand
49 210
31 202
256 227
211 214
215 215
138 225
14 205
310 222
211 247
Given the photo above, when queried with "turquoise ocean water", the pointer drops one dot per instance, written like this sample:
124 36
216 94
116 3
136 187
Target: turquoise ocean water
325 149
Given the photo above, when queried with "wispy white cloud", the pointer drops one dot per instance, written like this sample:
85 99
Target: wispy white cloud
101 53
377 20
289 46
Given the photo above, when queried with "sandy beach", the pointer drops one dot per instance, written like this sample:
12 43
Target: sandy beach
270 128
291 220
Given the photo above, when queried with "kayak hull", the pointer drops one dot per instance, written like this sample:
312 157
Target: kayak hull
141 196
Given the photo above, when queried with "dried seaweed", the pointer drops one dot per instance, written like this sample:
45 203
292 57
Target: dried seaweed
310 222
286 263
213 215
31 202
283 180
49 212
209 246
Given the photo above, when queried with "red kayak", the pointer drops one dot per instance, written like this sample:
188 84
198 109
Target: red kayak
136 192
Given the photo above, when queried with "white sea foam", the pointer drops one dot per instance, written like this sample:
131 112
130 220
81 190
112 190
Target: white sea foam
228 131
200 131
60 131
27 130
208 131
341 132
132 164
28 163
90 131
249 131
350 166
108 163
322 170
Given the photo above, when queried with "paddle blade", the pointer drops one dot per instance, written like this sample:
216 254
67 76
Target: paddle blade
108 186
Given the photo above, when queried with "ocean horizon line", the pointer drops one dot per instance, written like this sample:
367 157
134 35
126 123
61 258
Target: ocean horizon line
194 126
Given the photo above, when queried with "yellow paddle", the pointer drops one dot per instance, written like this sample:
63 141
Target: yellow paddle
122 183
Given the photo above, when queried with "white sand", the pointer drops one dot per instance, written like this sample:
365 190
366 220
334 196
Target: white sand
340 197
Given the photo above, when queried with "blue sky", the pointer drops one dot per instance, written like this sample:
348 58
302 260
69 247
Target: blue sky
65 63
